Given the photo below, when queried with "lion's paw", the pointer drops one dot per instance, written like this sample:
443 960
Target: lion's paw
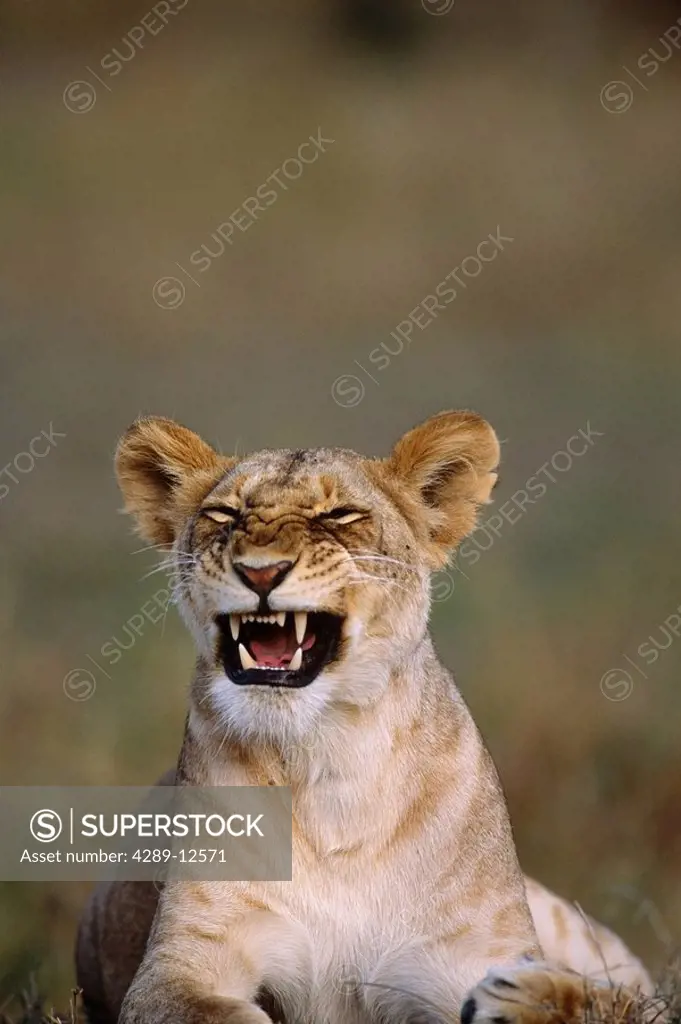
540 993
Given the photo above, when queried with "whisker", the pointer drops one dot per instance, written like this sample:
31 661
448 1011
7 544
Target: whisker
380 558
153 547
224 739
390 595
173 596
157 569
358 553
153 572
172 562
365 577
354 559
373 554
166 567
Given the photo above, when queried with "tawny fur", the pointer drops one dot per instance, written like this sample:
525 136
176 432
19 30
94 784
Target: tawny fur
406 888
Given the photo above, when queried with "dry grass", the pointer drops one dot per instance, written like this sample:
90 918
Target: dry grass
663 1008
29 1008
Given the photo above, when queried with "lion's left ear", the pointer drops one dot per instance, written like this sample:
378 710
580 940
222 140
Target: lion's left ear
447 467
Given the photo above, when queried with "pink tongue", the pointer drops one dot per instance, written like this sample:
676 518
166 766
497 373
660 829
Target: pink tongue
278 651
274 653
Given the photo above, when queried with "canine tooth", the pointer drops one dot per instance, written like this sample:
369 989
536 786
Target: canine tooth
235 626
301 626
280 619
246 660
296 661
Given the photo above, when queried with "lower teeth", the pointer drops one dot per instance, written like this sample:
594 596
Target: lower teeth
248 662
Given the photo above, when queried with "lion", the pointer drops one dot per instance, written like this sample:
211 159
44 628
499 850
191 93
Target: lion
304 578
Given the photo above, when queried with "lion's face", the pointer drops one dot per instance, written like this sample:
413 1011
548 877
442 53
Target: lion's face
304 576
294 563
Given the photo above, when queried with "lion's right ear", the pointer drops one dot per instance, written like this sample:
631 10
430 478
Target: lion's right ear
164 471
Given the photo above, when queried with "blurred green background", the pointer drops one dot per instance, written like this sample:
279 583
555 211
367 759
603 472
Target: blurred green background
448 121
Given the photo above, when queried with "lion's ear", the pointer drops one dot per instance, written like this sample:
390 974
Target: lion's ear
164 471
448 467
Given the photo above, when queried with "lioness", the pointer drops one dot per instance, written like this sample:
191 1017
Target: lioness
304 579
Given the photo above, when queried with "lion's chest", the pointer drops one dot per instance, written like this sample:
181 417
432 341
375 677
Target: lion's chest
353 914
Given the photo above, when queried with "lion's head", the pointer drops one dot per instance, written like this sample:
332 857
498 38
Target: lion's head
304 575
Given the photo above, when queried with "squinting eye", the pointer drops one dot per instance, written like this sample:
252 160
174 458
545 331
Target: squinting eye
344 516
221 513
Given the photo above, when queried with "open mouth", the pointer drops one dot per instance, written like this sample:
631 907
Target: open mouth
279 649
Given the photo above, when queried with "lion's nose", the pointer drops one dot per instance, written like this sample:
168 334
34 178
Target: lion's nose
263 578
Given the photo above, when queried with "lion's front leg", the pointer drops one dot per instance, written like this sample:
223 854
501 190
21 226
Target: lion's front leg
542 993
209 957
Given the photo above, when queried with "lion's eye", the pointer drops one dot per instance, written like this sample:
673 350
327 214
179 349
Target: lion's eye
344 516
221 513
